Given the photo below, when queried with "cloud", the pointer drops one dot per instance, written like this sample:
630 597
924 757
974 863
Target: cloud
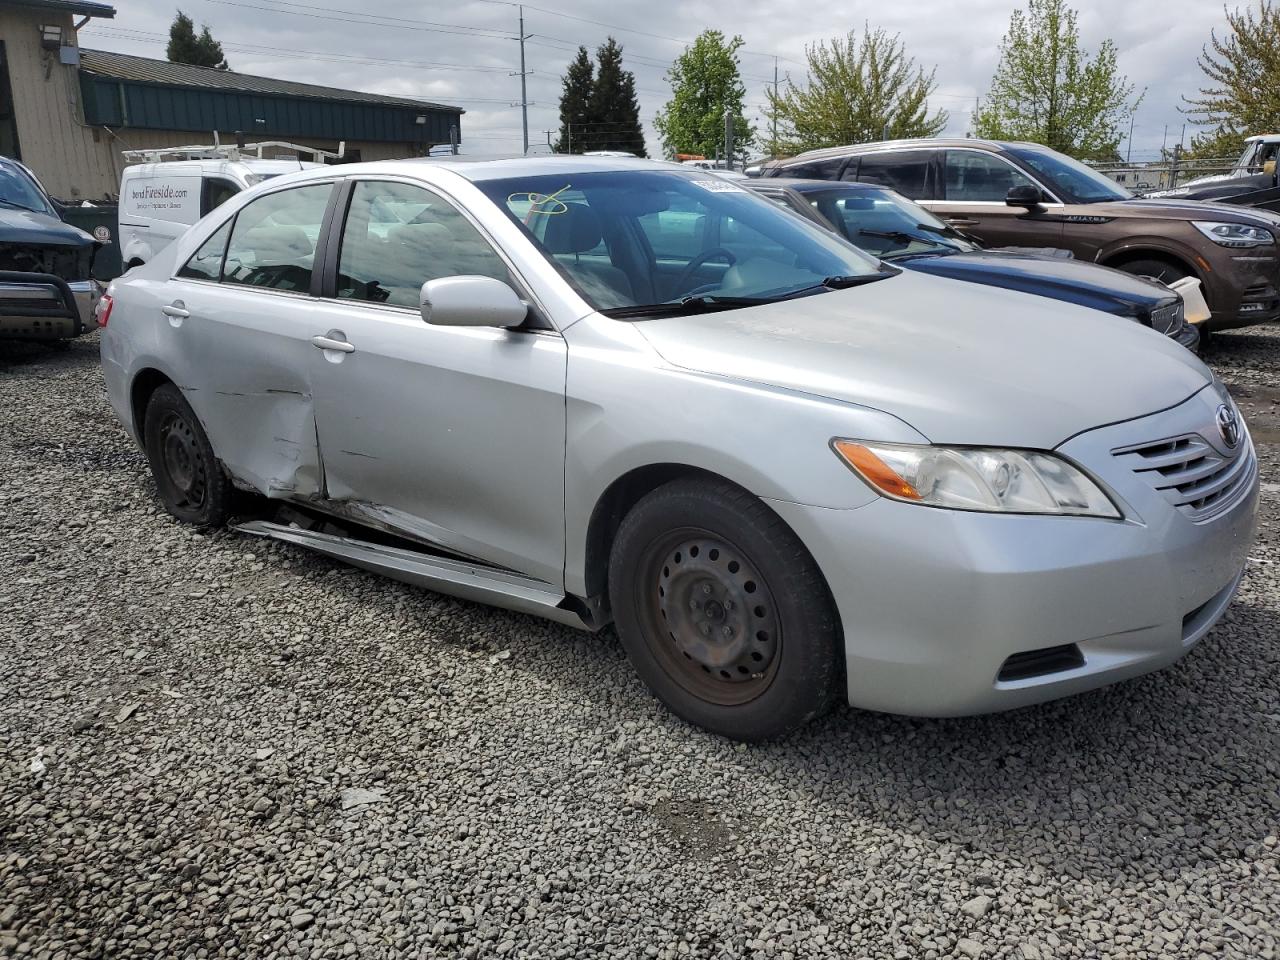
465 53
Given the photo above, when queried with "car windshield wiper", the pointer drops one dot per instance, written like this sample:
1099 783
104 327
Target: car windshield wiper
684 307
902 236
840 283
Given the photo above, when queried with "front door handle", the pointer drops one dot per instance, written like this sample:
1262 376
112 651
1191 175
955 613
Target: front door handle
175 309
328 343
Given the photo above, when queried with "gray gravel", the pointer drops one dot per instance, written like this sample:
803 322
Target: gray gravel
216 746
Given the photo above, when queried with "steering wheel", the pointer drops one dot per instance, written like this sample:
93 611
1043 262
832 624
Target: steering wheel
701 259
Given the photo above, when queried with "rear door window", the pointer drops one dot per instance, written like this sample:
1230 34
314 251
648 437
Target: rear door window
826 169
906 171
206 263
273 240
217 191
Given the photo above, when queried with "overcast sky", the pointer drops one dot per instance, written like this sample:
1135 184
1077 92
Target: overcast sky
464 52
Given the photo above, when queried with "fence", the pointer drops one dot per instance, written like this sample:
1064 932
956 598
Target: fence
1141 177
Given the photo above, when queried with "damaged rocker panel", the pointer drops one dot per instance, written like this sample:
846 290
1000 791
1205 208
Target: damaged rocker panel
458 578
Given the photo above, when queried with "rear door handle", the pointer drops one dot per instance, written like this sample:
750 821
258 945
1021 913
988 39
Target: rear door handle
328 343
175 309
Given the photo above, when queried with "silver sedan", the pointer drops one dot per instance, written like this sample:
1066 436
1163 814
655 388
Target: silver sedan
604 390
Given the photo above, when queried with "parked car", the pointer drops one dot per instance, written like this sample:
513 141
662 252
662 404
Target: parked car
170 189
1027 195
1251 183
607 390
46 288
891 227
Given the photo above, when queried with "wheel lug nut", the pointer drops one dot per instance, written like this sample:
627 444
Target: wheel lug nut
693 604
727 631
728 604
705 628
706 588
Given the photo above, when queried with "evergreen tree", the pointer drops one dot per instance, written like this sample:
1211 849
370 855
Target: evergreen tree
575 104
185 46
1047 89
615 112
857 90
705 85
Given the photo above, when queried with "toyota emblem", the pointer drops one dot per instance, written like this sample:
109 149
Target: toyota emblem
1228 426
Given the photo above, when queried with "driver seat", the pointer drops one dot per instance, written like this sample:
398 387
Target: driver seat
576 231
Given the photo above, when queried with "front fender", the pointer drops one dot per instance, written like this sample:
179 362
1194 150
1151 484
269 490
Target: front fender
627 410
1153 244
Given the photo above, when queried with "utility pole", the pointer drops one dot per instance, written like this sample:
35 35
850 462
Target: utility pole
524 95
549 147
775 106
728 139
1128 154
453 139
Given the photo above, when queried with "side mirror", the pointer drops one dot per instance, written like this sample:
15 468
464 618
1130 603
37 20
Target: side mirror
470 301
1024 195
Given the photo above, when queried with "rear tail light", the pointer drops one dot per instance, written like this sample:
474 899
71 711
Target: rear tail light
104 309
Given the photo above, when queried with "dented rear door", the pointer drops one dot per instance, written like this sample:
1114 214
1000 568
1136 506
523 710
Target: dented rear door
249 334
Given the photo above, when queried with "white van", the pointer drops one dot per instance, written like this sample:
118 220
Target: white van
161 197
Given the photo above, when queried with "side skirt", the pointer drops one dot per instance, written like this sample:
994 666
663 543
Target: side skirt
458 578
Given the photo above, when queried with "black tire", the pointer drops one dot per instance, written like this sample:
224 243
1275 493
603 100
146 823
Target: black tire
723 612
189 479
1163 270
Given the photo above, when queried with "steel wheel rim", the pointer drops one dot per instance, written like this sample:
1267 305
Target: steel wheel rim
184 470
709 617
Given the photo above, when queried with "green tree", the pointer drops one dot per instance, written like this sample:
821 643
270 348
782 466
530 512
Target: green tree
1241 67
858 91
575 103
1047 89
705 85
615 112
185 46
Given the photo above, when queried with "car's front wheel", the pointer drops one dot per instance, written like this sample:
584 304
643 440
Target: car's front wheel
722 611
189 479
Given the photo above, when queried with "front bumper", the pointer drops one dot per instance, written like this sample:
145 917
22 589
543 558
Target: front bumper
1244 290
39 306
934 603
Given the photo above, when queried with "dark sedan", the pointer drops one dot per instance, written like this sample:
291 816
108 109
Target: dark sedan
893 228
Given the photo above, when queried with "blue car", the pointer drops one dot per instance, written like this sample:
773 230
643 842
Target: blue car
900 232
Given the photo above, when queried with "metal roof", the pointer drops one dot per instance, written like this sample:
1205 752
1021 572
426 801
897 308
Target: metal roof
123 66
80 7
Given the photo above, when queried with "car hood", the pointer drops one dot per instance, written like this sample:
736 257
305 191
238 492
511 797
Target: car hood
1176 209
39 229
1086 284
960 363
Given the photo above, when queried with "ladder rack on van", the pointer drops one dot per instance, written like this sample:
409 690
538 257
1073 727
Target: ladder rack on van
219 151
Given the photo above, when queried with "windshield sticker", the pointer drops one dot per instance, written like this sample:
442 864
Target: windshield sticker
544 205
719 186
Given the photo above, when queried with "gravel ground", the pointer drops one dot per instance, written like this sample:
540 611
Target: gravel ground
219 746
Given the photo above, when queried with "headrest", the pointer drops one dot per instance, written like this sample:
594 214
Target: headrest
576 230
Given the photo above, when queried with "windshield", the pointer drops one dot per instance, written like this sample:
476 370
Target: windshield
635 238
886 224
1070 179
18 190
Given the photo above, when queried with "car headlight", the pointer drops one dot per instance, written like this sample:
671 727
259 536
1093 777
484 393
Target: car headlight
976 478
1234 234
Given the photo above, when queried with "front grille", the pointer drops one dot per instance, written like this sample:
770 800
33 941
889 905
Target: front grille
1167 318
1191 474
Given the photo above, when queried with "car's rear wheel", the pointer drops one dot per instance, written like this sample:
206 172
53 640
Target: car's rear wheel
722 611
189 479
